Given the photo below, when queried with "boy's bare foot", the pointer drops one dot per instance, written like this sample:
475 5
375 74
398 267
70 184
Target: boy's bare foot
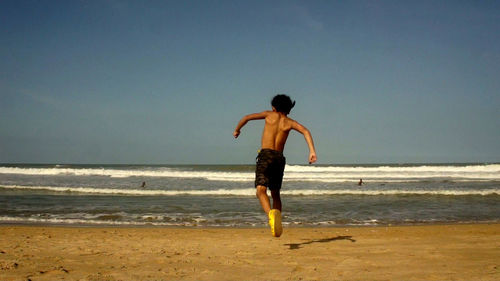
275 222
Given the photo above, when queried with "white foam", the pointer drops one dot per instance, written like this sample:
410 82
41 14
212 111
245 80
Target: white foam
250 191
137 192
292 173
117 173
393 192
73 221
6 219
486 168
332 173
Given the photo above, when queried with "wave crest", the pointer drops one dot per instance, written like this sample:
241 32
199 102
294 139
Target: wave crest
250 191
292 173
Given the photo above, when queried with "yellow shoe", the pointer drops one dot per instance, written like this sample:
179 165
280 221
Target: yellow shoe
275 222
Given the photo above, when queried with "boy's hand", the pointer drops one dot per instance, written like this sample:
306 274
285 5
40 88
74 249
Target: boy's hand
312 158
236 134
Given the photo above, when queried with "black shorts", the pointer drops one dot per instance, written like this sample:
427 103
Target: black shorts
269 169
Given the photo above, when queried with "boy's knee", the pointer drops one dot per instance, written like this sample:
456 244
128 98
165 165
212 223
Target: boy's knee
261 190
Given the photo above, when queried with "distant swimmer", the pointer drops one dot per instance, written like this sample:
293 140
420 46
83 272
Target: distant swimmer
270 160
360 182
143 184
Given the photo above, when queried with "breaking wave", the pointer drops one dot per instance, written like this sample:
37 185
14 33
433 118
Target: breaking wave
250 191
292 173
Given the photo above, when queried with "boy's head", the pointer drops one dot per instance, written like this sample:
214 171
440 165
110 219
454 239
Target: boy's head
282 103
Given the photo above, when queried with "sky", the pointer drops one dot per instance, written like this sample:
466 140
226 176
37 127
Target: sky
165 82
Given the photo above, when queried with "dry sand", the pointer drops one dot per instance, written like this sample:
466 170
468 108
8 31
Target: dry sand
438 252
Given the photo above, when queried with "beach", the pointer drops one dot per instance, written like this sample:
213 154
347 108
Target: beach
425 252
203 222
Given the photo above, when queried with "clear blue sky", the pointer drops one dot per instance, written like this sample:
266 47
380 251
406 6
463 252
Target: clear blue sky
167 81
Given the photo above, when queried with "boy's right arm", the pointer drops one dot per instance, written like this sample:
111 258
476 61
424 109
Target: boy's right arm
308 137
246 118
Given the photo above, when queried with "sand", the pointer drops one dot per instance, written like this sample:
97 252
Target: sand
437 252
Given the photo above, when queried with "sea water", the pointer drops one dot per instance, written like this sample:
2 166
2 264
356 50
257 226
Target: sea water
224 195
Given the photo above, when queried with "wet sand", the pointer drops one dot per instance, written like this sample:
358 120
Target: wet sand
436 252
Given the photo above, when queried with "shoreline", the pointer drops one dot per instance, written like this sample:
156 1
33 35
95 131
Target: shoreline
415 252
111 225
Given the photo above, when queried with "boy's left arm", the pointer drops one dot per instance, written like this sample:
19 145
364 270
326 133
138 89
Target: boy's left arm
309 140
246 118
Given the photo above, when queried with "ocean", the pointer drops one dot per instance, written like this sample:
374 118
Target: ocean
224 196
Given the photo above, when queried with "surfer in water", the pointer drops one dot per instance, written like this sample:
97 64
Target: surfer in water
270 160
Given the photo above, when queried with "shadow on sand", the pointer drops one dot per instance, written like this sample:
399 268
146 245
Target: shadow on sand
295 246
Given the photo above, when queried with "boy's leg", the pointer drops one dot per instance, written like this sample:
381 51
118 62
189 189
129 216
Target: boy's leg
276 199
263 198
275 214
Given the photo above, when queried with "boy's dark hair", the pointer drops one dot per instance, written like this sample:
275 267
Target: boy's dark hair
283 103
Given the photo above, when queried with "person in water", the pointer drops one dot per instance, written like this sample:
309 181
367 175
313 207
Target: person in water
270 160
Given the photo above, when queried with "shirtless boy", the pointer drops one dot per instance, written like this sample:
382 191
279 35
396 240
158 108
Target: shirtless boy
270 161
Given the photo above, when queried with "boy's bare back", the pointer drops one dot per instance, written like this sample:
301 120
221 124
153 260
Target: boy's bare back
276 129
